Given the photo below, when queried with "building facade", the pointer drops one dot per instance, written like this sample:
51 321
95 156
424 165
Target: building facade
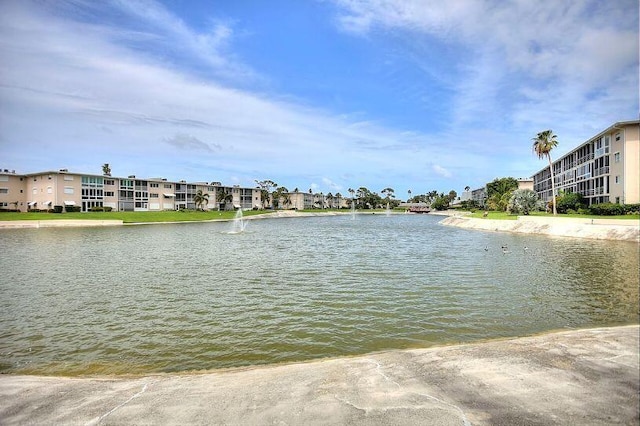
603 169
45 190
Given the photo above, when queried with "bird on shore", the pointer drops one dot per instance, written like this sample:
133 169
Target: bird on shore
505 249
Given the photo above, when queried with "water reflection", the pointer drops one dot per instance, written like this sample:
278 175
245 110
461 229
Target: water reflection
191 296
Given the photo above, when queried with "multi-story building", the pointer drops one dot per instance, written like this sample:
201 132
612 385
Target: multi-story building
44 190
603 169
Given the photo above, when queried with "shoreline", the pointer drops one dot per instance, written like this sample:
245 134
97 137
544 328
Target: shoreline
599 229
573 376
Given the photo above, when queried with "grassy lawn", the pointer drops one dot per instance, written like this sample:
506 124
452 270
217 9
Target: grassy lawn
132 217
506 216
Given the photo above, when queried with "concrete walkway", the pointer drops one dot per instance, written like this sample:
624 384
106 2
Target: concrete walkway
586 377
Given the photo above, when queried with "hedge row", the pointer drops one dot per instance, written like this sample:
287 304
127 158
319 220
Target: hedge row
611 209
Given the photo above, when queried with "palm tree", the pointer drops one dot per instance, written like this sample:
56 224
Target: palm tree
543 143
224 197
200 199
106 170
408 195
467 188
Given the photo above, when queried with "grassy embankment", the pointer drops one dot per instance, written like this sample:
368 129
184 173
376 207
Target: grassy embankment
507 216
133 217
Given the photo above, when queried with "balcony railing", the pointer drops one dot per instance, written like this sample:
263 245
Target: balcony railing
601 171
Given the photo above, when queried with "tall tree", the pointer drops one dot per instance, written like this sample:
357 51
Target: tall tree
224 197
200 199
265 190
543 143
388 193
106 170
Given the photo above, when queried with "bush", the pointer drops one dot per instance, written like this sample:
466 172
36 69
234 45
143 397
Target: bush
607 209
97 209
569 201
72 209
523 201
632 208
57 209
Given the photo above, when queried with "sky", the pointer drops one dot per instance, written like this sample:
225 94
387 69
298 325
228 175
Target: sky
413 95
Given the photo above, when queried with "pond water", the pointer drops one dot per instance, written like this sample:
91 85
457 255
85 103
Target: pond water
184 297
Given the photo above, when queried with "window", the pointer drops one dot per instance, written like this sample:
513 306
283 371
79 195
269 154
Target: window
34 191
109 182
4 190
4 178
68 177
154 185
616 157
68 189
153 195
618 136
618 179
49 190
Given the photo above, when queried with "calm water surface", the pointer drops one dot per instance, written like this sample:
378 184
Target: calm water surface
164 298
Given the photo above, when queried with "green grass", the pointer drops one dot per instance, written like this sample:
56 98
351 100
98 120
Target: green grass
506 216
495 215
133 217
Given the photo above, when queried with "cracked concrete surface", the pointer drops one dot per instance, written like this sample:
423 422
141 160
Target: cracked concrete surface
574 377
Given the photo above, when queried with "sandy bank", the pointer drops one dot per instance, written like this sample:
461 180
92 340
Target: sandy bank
600 229
572 377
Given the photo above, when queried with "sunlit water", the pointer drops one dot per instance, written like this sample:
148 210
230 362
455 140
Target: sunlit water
164 298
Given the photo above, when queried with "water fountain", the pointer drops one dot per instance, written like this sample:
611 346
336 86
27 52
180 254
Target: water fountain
238 225
387 212
353 209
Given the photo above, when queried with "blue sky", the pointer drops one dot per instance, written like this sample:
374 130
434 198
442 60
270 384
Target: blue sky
329 95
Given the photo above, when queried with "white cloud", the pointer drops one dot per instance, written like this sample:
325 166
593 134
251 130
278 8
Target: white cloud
102 91
94 98
439 170
561 52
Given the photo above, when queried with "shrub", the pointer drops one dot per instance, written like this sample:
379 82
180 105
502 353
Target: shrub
632 208
607 209
569 201
523 201
108 209
97 209
57 209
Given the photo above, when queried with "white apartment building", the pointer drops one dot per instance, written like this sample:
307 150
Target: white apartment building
44 190
603 169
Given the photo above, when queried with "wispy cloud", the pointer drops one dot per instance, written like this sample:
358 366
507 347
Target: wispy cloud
559 53
131 77
191 143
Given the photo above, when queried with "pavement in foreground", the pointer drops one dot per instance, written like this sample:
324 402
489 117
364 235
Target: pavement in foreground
585 377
